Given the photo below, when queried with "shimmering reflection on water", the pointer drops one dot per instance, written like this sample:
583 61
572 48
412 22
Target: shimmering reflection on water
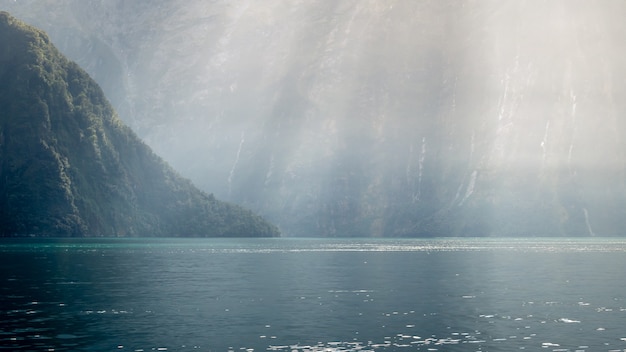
313 295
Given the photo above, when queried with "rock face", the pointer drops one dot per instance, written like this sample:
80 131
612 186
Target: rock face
70 167
369 118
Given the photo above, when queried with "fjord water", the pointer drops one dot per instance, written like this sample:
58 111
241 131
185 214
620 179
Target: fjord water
313 294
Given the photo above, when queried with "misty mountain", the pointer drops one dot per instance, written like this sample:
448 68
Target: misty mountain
70 167
370 118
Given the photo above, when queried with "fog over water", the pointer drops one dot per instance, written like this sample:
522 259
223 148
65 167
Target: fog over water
394 118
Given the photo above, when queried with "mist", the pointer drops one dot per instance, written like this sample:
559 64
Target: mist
370 118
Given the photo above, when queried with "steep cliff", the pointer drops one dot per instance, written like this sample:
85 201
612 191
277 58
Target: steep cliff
369 118
70 167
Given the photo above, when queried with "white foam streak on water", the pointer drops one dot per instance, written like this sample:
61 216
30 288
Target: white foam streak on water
568 321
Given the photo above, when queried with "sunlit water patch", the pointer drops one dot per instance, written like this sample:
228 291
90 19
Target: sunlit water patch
272 245
313 295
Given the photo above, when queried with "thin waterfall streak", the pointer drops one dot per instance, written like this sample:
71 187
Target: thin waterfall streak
420 171
270 171
591 233
544 142
573 98
454 95
571 146
458 192
470 187
407 172
504 97
472 147
569 154
232 170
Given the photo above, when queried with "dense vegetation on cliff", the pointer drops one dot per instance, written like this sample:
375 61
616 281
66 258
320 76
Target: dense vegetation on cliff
70 167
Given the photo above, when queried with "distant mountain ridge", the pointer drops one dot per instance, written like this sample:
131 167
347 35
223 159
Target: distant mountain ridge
70 167
372 118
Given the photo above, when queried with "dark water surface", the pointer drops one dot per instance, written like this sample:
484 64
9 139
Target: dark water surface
313 295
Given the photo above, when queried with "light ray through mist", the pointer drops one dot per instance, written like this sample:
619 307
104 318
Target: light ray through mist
374 118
